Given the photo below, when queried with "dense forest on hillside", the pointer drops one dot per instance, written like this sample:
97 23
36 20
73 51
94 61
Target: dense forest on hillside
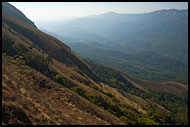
143 65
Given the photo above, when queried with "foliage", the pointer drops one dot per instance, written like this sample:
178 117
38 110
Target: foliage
177 105
142 65
24 71
146 121
17 61
59 79
79 91
93 87
63 81
110 76
109 94
12 48
127 120
37 61
97 99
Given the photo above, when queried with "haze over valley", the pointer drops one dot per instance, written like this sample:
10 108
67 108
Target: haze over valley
79 63
149 46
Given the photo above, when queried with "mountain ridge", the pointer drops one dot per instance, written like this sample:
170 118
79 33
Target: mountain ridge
45 82
162 32
11 10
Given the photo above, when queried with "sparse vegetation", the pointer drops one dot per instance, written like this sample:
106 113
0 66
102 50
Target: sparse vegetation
79 91
63 81
171 102
24 71
109 94
93 87
35 90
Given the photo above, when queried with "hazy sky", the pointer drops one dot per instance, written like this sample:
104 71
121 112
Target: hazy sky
41 11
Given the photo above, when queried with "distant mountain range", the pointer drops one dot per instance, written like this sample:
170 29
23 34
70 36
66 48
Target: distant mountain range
162 33
45 83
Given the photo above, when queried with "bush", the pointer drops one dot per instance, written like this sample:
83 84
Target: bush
114 99
94 87
127 121
37 61
63 81
146 121
17 61
24 71
109 94
97 99
58 78
78 90
7 43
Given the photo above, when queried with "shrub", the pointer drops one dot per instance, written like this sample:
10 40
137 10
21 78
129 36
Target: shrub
78 90
17 61
97 99
94 87
37 61
146 121
24 71
58 78
109 94
127 120
114 99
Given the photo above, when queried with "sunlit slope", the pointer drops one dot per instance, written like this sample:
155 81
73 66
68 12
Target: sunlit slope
39 91
44 82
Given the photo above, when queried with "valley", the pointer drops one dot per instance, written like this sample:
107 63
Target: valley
139 40
45 82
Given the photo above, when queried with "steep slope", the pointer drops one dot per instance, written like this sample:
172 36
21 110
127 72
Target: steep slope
12 11
26 91
48 44
168 97
44 82
27 85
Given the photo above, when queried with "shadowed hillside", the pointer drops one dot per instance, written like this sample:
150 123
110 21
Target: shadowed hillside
11 10
45 83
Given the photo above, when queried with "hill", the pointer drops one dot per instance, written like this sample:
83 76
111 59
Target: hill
145 65
14 12
44 82
32 77
161 34
163 31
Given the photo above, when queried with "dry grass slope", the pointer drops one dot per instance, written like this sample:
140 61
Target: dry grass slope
44 101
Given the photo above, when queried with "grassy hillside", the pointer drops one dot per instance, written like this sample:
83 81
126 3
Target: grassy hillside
34 67
45 83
